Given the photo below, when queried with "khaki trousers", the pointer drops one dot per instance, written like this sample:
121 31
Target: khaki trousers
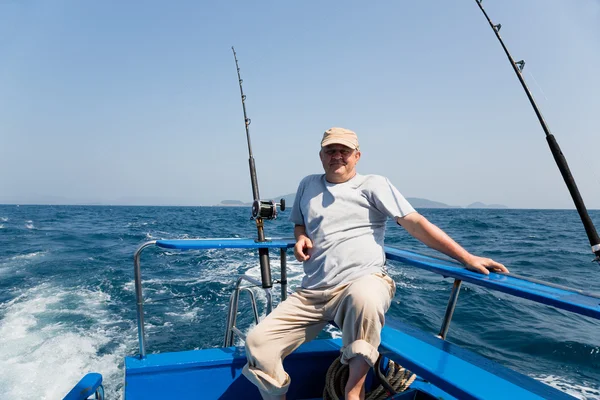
358 309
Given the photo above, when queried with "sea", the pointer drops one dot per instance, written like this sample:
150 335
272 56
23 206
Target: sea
67 300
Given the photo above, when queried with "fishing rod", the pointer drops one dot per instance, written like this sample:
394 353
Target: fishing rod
559 157
261 209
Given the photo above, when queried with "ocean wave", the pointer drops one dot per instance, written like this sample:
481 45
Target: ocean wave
138 224
28 256
564 351
581 390
164 235
190 315
16 265
473 223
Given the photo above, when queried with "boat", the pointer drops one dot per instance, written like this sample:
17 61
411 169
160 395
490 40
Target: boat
443 370
413 364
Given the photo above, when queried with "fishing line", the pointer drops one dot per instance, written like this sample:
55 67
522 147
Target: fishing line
537 84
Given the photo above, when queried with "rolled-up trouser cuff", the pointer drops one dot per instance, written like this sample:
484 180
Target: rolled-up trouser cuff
360 348
264 382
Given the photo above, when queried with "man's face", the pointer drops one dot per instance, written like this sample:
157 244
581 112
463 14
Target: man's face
339 162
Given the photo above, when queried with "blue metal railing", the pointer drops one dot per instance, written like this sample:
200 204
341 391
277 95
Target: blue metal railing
89 385
574 300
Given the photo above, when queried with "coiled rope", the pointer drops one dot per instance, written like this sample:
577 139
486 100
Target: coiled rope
397 376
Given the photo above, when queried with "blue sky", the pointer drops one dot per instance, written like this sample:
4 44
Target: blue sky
138 103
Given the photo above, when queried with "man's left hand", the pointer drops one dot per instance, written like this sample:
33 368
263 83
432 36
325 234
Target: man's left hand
484 265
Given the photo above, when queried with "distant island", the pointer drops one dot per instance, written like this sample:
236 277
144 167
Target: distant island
414 201
478 204
234 203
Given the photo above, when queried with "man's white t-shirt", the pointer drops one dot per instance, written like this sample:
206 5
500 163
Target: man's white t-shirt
346 223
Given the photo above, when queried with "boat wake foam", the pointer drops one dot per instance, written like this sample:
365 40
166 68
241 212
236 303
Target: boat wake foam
50 337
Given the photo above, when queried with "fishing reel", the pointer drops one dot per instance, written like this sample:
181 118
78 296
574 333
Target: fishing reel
266 209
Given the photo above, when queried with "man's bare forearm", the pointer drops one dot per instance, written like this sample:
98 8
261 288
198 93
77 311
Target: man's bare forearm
423 230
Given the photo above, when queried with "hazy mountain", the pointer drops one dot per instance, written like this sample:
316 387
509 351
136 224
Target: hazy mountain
424 203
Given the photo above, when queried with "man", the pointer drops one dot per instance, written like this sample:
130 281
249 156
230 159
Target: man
339 222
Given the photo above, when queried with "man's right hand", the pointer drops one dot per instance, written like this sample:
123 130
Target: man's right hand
302 248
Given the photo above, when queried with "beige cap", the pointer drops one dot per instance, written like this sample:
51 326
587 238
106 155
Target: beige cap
340 136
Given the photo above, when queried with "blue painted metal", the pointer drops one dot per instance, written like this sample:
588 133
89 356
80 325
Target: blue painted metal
457 371
228 243
216 373
570 300
85 388
423 390
447 371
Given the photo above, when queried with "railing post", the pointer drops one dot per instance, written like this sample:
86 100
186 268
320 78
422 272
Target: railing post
232 314
252 303
233 306
450 308
137 272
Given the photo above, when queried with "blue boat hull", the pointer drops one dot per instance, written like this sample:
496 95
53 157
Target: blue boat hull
216 374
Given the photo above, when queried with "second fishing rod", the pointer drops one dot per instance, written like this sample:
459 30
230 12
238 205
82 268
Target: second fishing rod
558 155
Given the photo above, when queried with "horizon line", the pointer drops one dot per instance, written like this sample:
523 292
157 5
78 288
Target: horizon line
242 206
